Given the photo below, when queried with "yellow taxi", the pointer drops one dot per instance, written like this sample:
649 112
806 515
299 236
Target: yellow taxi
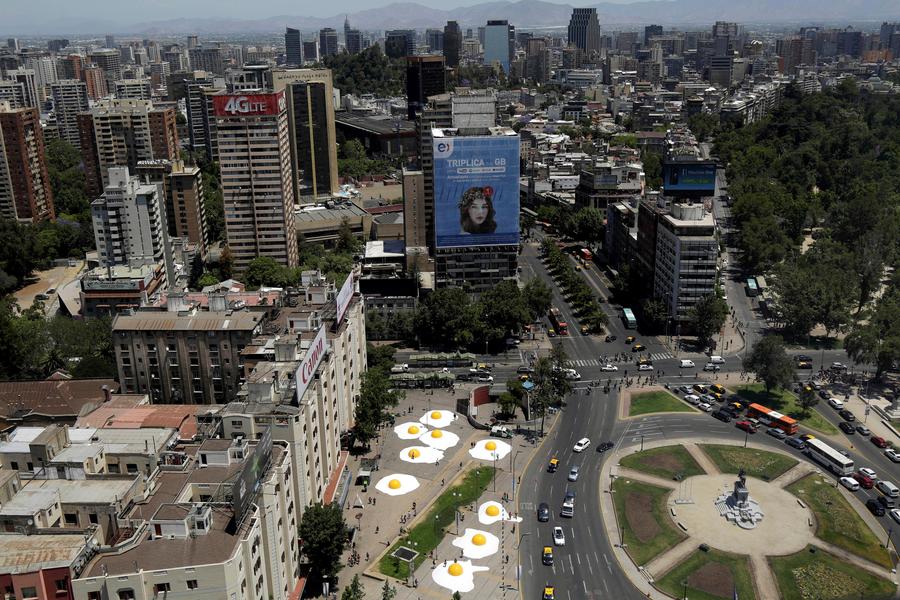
638 348
630 339
717 389
644 361
553 466
585 330
700 388
547 555
549 593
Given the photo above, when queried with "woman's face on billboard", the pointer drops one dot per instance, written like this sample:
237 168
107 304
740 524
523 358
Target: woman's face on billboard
478 211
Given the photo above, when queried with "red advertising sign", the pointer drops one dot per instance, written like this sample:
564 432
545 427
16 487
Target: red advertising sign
310 363
248 105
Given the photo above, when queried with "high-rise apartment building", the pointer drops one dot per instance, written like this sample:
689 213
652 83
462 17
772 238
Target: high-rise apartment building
13 92
121 133
435 40
452 43
128 222
795 51
182 188
293 47
70 67
414 225
354 41
584 30
95 80
312 129
207 59
110 41
651 31
110 62
27 78
25 192
328 42
159 75
537 60
134 89
70 98
499 44
257 178
45 73
201 121
425 76
310 51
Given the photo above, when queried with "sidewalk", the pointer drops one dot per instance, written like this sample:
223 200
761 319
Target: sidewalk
380 523
729 341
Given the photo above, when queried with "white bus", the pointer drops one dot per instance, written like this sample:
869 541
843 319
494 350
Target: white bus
828 457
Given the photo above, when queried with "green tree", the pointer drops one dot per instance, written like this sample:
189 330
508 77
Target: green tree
388 592
876 340
380 357
538 296
808 398
346 242
703 125
708 316
589 226
448 319
265 271
652 170
207 279
559 358
376 398
544 394
324 536
354 591
655 313
770 362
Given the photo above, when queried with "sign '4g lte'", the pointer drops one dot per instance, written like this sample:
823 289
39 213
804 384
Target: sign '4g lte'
248 105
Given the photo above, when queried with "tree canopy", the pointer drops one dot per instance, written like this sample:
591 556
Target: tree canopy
770 362
323 533
368 72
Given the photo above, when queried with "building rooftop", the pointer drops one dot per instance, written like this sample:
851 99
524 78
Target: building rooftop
148 320
316 214
385 249
28 553
40 493
182 417
77 453
54 398
378 124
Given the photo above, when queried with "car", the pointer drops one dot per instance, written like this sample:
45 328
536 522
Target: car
547 555
746 426
559 538
573 473
543 512
551 333
484 378
609 367
870 473
570 496
717 389
700 388
549 593
887 502
638 348
803 358
847 415
804 365
887 488
683 389
686 364
581 445
776 433
837 366
875 507
892 454
605 446
864 481
823 394
611 338
795 442
850 483
807 436
585 330
847 428
705 406
524 369
879 441
553 465
692 398
645 367
573 375
722 416
630 339
895 515
712 367
709 398
863 430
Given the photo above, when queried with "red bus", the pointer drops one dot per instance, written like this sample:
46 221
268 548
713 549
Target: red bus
586 254
557 321
772 418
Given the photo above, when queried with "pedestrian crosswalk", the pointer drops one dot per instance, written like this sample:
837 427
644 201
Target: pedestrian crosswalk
591 362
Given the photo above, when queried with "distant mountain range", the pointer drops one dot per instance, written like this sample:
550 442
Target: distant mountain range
524 14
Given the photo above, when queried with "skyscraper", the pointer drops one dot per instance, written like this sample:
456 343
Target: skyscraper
310 51
452 43
69 99
70 67
25 192
399 43
293 47
584 30
328 42
435 40
127 218
95 80
110 62
651 31
110 41
425 76
257 178
354 41
27 79
499 43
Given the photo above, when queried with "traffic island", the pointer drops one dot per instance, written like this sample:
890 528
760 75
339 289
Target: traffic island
645 403
427 534
710 574
786 403
813 574
837 522
668 462
754 462
645 529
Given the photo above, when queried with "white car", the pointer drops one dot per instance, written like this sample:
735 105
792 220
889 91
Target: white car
871 474
835 403
705 406
895 515
484 379
712 367
692 398
645 367
892 454
850 483
572 375
581 445
609 367
559 538
687 364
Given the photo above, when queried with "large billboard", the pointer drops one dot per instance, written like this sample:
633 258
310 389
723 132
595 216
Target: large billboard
248 105
342 301
476 191
310 363
699 178
245 486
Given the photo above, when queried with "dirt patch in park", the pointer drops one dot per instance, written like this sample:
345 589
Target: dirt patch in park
713 578
664 461
639 512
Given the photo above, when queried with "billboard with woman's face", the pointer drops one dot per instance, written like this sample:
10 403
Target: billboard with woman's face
476 191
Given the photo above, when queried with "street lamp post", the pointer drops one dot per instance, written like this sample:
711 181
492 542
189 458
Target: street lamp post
684 594
887 542
746 436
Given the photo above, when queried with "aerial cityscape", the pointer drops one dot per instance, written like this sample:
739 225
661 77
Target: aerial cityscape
413 301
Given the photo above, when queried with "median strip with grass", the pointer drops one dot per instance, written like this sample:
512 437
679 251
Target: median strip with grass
643 521
786 403
668 462
837 522
656 402
756 463
710 575
819 575
427 535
